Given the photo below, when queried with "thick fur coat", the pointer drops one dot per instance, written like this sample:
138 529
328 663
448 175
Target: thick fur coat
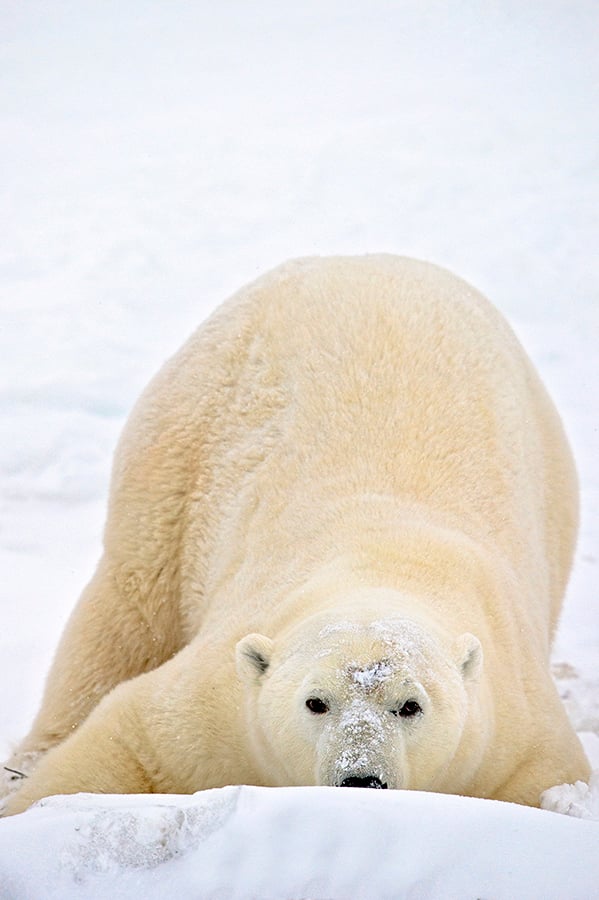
352 474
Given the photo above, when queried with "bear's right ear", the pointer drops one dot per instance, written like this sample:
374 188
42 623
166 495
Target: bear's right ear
252 656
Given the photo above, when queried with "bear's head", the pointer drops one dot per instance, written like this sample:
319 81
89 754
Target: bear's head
365 703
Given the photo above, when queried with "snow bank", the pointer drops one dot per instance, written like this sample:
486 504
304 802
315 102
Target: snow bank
248 842
578 799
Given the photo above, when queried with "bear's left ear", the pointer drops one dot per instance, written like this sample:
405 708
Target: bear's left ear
252 656
468 654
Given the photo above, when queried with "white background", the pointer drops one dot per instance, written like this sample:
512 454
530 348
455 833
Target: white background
157 155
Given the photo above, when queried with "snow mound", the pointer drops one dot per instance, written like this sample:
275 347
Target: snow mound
267 843
579 799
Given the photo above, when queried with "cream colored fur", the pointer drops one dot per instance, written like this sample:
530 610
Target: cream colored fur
345 441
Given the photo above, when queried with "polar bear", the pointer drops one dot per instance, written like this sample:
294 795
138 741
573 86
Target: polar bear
341 523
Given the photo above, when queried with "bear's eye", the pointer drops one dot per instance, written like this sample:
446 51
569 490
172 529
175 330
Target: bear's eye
316 705
410 709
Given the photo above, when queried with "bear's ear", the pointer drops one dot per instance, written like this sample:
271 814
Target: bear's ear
252 656
469 656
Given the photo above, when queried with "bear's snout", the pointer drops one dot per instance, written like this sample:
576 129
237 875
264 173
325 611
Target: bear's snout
366 781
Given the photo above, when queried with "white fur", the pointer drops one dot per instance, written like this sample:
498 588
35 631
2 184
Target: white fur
354 463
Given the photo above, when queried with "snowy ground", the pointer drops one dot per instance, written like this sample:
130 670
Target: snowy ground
155 156
239 843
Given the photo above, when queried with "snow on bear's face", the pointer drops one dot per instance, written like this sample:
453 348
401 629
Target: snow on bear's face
377 704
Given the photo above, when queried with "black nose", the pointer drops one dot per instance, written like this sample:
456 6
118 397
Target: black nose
368 781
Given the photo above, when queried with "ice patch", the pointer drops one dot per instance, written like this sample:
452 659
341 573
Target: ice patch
374 675
580 800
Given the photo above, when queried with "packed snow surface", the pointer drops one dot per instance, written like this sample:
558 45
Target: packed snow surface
320 843
155 157
579 799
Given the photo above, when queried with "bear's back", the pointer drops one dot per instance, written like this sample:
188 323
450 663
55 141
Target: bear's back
375 374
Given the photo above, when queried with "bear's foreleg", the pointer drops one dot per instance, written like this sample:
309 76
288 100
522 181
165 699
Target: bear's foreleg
555 757
100 757
109 639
